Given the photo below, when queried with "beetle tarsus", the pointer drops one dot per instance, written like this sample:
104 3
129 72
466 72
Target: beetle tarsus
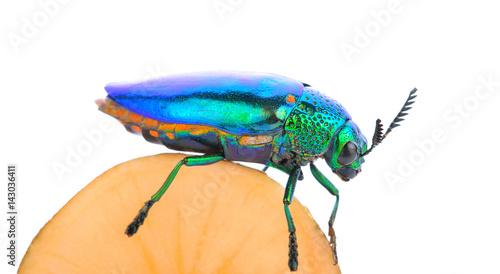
133 227
333 245
293 262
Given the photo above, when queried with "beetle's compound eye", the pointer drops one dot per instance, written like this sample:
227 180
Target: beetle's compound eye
348 154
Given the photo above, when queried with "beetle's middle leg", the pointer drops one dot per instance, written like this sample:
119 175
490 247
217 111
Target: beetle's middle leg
287 199
188 161
335 192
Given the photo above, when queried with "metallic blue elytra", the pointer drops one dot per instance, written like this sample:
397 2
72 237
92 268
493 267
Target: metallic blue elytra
246 116
236 102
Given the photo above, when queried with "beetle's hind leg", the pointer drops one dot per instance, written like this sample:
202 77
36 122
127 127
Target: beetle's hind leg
188 161
293 262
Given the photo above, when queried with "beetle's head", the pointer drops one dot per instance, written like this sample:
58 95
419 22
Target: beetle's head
348 148
344 153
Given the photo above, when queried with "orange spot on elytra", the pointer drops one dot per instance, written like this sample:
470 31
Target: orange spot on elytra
116 112
290 99
154 133
170 135
194 129
150 123
137 129
134 117
110 107
166 127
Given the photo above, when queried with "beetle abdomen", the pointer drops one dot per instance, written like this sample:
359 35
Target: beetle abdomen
197 138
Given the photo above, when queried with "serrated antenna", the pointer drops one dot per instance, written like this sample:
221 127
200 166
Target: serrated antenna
377 136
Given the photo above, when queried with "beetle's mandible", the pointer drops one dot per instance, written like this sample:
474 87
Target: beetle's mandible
246 116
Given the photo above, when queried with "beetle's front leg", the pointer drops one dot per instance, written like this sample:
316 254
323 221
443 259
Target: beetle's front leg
188 161
287 199
335 192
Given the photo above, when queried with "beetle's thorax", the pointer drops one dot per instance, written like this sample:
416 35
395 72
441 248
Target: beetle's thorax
309 129
312 124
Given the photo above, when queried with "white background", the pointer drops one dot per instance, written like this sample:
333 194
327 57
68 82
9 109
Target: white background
440 216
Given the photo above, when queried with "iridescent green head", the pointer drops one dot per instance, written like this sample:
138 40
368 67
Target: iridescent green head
348 147
344 153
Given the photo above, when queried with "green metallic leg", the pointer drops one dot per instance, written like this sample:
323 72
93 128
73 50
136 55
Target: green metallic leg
335 192
265 168
293 262
188 161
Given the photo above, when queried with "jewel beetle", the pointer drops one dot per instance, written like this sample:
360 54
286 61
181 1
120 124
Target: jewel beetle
246 116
